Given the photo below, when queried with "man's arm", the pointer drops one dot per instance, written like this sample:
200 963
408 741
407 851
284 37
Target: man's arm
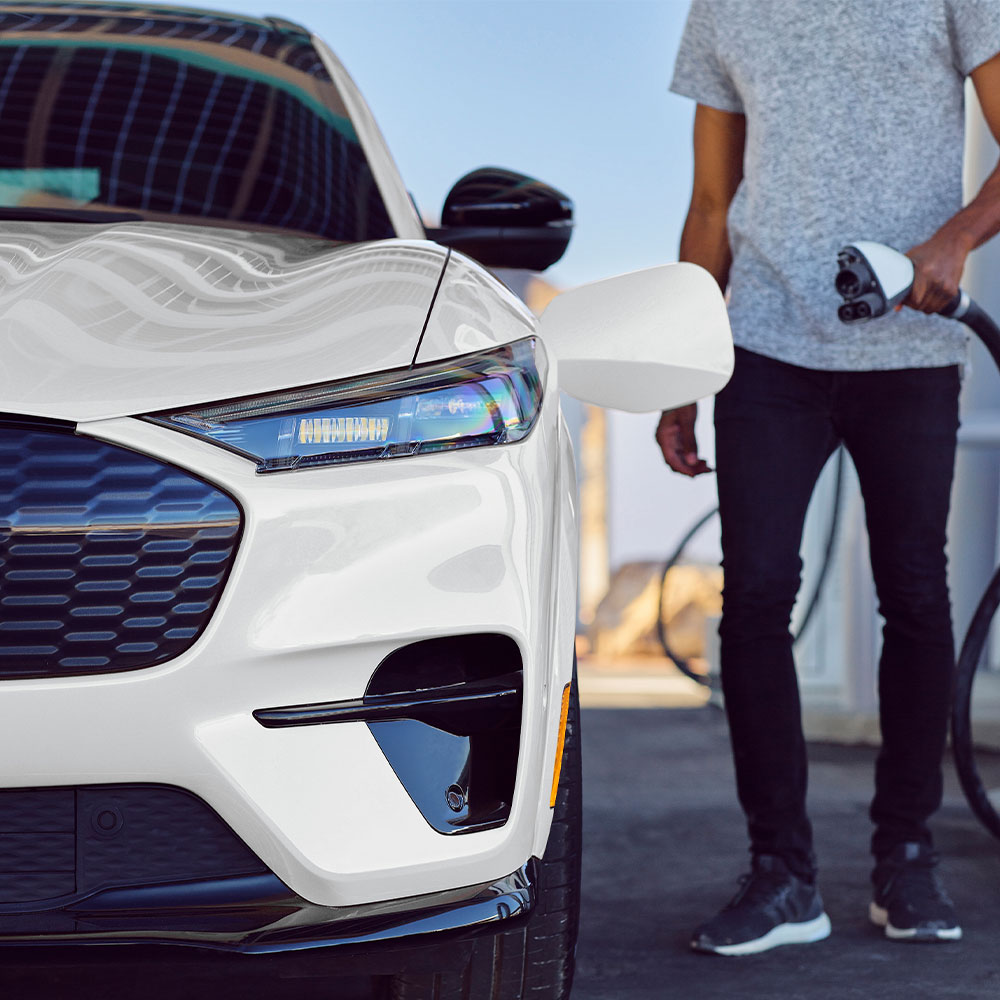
718 169
938 263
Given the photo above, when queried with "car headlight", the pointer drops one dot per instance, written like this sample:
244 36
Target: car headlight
487 398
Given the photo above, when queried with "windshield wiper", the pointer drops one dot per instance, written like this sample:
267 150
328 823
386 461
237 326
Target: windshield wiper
19 213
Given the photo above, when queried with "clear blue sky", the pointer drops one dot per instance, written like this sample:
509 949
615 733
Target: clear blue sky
571 91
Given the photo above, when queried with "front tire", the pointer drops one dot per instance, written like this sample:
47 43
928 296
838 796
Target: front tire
537 958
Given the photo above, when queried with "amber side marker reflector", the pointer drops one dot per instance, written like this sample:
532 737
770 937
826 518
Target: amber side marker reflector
559 746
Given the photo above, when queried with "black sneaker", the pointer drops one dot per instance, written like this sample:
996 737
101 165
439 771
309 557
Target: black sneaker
910 902
772 907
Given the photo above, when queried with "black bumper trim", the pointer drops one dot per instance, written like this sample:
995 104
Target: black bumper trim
259 915
428 705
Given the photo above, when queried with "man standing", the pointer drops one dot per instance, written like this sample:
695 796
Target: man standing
818 124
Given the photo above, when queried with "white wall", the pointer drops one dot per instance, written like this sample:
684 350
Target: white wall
973 526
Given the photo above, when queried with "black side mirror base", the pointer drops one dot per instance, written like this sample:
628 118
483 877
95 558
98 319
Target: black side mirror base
532 248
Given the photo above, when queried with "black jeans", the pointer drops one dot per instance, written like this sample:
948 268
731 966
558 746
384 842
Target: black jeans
776 425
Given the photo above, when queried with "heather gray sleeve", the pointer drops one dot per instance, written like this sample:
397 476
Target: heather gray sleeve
698 71
974 26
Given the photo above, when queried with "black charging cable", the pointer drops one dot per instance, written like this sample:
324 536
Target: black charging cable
971 653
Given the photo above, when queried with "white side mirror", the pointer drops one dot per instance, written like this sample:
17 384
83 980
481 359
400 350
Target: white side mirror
649 340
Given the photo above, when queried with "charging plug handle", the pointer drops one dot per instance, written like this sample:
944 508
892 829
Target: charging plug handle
858 284
871 279
859 287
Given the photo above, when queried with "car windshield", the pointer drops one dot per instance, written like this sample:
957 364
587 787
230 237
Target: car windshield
179 116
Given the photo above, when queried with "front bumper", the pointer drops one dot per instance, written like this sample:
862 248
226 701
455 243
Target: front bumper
337 568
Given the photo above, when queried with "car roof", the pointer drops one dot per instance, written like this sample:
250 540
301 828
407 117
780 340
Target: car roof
164 10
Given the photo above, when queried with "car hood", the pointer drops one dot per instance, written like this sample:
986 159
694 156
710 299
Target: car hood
109 321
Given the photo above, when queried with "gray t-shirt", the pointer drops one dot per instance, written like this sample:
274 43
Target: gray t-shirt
855 124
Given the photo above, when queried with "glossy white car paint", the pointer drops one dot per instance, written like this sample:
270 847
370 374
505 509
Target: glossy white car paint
473 311
336 568
642 341
105 321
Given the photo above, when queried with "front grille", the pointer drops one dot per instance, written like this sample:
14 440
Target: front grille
57 842
109 560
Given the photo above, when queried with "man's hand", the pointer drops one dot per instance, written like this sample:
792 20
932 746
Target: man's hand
719 140
938 263
937 267
675 436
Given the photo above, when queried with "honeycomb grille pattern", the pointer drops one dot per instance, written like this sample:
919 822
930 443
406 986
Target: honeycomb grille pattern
70 841
109 560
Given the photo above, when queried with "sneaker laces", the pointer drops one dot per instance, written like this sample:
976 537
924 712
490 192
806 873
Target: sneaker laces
919 879
758 887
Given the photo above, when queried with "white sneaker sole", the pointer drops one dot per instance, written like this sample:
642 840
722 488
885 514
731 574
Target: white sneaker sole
880 918
806 932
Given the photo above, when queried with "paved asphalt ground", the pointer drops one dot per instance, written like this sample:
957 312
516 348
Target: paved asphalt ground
664 846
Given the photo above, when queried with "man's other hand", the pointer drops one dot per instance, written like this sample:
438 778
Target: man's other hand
937 271
675 436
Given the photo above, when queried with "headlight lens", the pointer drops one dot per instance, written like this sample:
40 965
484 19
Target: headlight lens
478 399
